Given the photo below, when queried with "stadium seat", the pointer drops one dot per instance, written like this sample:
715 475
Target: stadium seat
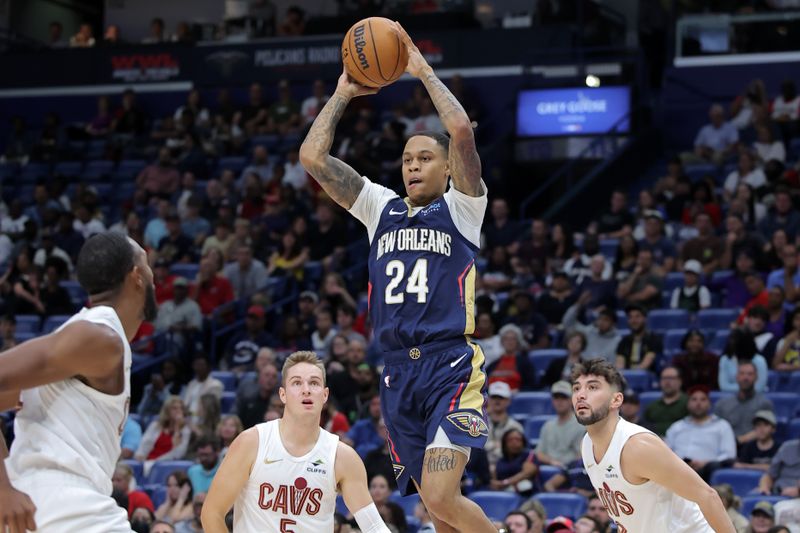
28 323
794 381
138 470
234 163
562 504
718 341
648 397
698 171
664 319
496 505
22 336
793 430
748 502
717 395
608 247
228 403
773 380
68 168
673 339
157 493
227 378
186 270
98 169
54 322
8 170
533 425
128 169
408 503
743 481
716 318
531 403
541 359
785 404
622 319
638 380
548 471
33 172
672 281
162 469
270 141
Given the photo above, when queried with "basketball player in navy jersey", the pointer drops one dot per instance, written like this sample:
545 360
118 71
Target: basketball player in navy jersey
421 292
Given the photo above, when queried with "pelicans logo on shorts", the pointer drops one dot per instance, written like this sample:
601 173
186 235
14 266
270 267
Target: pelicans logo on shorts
398 470
469 423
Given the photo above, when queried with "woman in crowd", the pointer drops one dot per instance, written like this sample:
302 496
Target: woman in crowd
177 505
513 366
517 470
228 429
787 353
740 348
168 436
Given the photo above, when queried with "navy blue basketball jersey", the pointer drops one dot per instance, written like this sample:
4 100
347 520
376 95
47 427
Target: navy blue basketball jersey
421 277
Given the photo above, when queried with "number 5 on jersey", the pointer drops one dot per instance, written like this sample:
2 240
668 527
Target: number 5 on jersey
417 282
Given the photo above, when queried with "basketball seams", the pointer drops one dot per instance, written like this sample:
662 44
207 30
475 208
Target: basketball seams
375 50
399 54
352 61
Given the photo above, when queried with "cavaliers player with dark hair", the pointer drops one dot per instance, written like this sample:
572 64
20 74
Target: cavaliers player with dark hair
73 390
421 292
641 482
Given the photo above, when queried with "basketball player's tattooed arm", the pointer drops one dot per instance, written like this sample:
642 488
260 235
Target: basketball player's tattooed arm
465 164
337 178
229 481
647 457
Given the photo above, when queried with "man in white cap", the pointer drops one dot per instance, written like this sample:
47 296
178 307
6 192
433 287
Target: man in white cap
692 296
560 438
499 420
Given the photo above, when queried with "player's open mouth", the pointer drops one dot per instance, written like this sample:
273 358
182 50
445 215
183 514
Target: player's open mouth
308 402
414 181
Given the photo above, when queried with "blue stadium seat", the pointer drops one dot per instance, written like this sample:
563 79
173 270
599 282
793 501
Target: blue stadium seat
33 172
697 171
533 425
22 336
562 504
28 323
785 404
794 382
793 430
608 247
664 319
8 170
98 169
496 505
672 281
648 397
622 319
639 380
548 471
157 493
794 148
672 340
531 403
162 469
68 168
234 163
76 292
128 169
341 508
186 270
138 470
270 141
412 524
773 379
743 481
227 378
228 404
748 502
716 318
54 322
96 149
718 341
541 359
716 395
408 503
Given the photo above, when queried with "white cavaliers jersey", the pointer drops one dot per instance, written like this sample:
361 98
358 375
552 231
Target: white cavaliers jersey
288 493
67 426
647 507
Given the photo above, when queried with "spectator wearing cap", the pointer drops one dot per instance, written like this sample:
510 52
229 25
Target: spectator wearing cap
561 367
498 418
740 349
560 438
787 277
696 365
706 247
762 517
692 296
602 337
163 280
554 302
560 524
670 407
705 441
640 347
662 248
181 315
517 522
783 475
643 286
757 453
630 407
533 325
246 274
240 354
757 291
513 366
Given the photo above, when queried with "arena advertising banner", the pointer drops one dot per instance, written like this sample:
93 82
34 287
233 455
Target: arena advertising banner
572 111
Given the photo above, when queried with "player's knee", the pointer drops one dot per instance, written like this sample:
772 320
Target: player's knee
442 504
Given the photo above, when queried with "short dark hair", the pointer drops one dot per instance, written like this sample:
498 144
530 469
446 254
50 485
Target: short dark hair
347 309
528 521
104 261
208 440
601 368
440 138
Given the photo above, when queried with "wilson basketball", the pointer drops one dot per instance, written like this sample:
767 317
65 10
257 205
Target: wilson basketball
373 53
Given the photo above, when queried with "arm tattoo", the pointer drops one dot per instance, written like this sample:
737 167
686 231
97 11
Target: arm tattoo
440 460
465 164
337 178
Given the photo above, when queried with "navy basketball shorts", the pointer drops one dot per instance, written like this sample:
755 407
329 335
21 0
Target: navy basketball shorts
437 385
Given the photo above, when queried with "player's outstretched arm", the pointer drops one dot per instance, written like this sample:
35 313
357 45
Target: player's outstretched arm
229 481
336 177
465 164
351 477
645 456
82 348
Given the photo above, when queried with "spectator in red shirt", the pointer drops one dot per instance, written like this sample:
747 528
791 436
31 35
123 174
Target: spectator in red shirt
759 295
211 290
121 481
163 279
